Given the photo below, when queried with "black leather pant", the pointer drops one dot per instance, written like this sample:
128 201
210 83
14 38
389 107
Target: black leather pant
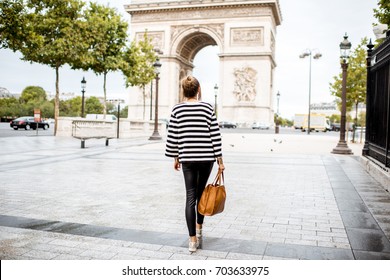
196 175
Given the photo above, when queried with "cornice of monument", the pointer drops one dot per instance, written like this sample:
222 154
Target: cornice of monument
163 6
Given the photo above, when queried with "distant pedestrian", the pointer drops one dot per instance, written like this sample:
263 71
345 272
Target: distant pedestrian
194 141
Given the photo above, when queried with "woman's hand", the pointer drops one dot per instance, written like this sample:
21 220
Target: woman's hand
177 164
221 167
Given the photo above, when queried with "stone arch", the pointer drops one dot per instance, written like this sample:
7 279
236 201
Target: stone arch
188 43
244 32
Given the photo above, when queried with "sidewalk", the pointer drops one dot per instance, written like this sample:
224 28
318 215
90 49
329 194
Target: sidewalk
288 198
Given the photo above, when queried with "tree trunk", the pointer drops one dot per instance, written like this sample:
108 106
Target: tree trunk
57 101
143 90
105 95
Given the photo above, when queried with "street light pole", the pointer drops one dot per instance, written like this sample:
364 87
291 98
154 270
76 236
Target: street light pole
215 103
156 134
342 146
118 120
317 55
277 114
151 98
83 86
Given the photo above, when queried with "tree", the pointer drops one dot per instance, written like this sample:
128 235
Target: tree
356 79
93 106
47 32
107 35
33 94
71 107
383 12
9 108
138 68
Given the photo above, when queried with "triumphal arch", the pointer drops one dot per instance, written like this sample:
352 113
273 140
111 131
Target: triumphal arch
244 32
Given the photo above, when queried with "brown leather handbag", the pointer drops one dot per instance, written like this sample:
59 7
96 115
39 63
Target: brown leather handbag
213 198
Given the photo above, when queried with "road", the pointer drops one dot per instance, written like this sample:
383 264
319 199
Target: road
282 130
7 131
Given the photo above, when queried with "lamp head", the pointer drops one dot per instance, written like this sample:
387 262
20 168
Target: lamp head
345 48
157 66
317 55
83 83
305 53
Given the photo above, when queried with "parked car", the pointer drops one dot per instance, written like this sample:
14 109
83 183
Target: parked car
227 125
27 123
335 127
258 125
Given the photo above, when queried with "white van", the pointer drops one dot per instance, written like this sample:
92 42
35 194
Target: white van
101 117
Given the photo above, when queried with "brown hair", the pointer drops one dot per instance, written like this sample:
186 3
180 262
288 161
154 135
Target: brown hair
190 86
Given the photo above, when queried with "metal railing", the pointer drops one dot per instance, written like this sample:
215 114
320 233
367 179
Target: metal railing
377 141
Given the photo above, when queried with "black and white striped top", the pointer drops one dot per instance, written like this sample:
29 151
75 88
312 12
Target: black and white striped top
193 133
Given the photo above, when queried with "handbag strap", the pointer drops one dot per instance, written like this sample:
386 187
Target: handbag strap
219 178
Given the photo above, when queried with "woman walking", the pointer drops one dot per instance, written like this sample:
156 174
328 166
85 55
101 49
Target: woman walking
194 141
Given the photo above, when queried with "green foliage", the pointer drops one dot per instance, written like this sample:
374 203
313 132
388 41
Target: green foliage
113 110
32 98
71 107
9 107
356 78
47 32
138 68
139 59
93 106
335 118
124 112
33 94
106 35
282 122
382 13
12 30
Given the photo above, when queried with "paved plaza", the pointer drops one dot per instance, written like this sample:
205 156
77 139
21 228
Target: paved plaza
288 197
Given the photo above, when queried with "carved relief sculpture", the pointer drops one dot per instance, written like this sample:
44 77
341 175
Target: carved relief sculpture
246 36
156 37
245 84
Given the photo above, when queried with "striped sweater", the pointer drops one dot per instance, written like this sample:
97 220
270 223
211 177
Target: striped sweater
193 133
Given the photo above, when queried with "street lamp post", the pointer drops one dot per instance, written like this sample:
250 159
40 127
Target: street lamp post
83 86
118 118
277 114
215 103
317 55
151 98
156 134
342 146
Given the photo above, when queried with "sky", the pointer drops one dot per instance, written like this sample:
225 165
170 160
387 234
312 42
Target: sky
306 24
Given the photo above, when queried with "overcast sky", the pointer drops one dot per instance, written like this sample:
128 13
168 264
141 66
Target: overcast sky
313 24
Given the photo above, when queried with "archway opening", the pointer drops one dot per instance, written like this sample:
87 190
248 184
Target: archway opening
206 70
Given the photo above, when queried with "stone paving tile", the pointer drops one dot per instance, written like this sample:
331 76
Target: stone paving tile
188 257
41 255
98 255
129 257
154 254
68 257
239 256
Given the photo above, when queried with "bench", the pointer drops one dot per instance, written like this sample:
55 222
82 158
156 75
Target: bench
89 129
